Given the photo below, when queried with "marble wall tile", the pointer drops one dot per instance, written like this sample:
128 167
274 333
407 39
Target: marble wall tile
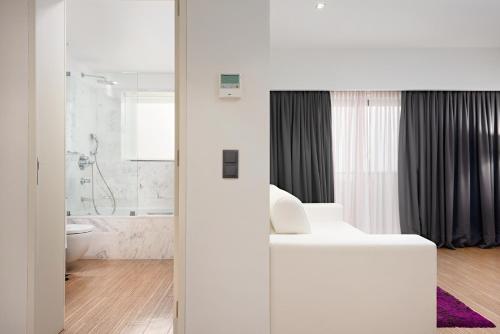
142 237
141 186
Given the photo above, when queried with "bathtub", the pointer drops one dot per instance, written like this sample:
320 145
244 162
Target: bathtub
129 237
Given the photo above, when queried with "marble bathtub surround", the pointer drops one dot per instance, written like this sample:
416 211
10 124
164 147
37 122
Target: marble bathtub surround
141 237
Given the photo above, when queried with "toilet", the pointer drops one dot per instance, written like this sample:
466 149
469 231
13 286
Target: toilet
78 238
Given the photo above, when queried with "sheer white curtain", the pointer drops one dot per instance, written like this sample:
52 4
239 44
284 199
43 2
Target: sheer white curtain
365 129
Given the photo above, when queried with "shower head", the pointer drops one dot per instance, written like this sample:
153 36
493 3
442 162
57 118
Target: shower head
100 79
93 137
107 82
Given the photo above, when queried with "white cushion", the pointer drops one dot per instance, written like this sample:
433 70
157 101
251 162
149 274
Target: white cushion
287 213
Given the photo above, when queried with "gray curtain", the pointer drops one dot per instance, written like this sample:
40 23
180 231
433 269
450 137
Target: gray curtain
449 184
301 144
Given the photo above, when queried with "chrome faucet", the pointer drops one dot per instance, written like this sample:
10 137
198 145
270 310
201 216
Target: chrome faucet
84 180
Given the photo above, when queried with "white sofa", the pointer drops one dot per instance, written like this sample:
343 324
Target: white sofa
339 280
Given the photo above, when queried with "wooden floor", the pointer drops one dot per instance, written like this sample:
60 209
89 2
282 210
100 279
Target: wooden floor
104 296
473 276
110 297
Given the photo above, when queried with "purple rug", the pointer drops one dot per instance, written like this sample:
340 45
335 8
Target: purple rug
451 312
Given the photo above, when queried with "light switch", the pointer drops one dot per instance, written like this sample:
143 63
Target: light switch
230 156
230 164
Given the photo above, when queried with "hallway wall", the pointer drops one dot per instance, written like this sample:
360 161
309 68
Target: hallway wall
227 220
14 145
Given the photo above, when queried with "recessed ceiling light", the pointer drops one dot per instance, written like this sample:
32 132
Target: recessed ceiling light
320 5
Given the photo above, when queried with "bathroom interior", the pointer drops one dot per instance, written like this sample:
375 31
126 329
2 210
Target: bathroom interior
120 162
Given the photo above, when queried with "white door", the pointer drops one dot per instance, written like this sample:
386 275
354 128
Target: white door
49 233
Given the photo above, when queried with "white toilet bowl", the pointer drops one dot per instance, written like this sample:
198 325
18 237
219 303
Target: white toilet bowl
78 238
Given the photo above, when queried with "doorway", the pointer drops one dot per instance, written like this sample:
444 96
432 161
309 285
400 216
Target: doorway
120 170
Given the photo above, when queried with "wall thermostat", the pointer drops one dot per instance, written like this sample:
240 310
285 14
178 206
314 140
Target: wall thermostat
229 86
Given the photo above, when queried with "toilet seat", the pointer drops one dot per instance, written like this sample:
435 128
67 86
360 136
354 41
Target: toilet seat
78 228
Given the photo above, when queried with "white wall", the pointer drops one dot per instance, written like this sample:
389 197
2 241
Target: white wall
227 220
385 69
156 81
14 146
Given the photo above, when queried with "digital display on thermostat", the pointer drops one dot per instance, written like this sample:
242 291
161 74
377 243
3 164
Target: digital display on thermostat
230 80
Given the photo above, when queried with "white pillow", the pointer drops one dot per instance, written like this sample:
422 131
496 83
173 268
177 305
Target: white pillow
287 213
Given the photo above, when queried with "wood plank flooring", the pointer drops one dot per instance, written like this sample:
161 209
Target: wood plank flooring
107 296
473 276
137 296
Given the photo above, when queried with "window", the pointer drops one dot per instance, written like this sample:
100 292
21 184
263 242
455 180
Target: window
365 128
148 126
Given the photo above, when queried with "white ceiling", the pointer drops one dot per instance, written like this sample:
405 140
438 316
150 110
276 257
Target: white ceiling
122 35
138 35
385 23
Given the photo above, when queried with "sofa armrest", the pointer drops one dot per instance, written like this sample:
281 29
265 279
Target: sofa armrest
326 284
324 212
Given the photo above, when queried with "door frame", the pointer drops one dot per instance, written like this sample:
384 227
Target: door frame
181 179
46 179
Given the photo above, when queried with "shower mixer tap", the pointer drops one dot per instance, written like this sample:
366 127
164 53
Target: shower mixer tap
84 161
